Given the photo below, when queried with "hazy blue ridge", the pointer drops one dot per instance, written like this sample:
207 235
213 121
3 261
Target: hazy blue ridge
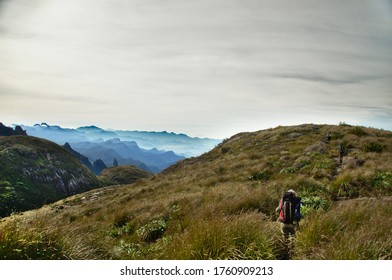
150 151
157 142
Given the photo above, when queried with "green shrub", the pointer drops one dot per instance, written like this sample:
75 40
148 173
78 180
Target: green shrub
153 230
132 249
124 230
374 147
383 180
356 185
288 170
313 203
225 149
358 131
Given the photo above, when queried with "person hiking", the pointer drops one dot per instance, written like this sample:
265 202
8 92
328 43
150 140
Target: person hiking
289 217
342 152
329 137
289 212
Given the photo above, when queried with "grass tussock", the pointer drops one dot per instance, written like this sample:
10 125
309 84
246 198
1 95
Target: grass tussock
18 243
247 236
352 230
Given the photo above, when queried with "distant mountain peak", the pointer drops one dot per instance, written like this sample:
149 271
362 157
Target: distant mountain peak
67 146
9 131
41 125
47 126
90 128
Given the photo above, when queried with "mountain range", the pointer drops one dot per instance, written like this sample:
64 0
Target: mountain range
127 153
98 148
180 144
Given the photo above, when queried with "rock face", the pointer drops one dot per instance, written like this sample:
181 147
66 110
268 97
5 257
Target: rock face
318 147
98 166
83 159
35 171
8 131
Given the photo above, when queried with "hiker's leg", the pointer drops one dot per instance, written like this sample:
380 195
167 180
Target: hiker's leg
288 232
285 239
290 240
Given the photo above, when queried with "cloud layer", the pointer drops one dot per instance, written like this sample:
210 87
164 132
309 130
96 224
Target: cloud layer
208 68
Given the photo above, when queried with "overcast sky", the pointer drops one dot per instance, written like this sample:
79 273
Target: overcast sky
208 68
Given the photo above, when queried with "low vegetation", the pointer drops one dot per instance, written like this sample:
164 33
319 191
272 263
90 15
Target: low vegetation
358 229
121 175
221 205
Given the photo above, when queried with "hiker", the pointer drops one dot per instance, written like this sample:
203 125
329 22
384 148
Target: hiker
289 216
329 136
342 152
289 212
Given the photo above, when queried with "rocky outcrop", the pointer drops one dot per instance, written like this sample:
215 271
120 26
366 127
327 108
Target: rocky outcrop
9 131
318 147
34 172
98 166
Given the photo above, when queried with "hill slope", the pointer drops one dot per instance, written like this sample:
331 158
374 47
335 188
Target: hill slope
35 171
124 174
221 205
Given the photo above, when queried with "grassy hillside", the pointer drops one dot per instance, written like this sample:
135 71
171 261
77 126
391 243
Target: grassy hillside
124 174
35 171
221 205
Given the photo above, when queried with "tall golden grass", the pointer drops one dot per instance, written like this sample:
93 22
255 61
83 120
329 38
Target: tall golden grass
350 231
